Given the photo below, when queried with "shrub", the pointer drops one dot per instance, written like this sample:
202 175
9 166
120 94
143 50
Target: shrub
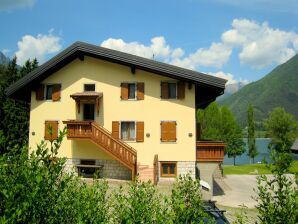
186 202
141 204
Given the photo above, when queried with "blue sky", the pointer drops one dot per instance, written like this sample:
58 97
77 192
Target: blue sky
237 40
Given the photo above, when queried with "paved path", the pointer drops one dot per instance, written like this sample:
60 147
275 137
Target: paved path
240 193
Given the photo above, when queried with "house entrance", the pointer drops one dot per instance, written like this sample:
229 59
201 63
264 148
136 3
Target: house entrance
88 111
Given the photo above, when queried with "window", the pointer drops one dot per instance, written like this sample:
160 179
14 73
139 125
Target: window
131 91
89 87
128 131
172 90
168 131
168 169
49 92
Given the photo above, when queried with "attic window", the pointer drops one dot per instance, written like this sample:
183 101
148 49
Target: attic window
49 91
89 87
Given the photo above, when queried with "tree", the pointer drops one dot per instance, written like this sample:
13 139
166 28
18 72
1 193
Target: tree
282 129
251 138
14 114
218 123
278 195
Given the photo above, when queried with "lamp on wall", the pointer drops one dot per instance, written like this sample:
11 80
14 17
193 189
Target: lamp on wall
190 135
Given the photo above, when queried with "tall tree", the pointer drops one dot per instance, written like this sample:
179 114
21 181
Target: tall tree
14 114
251 137
218 123
282 128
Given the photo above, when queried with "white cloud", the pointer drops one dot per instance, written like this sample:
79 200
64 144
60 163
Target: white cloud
260 45
37 47
214 56
232 84
11 4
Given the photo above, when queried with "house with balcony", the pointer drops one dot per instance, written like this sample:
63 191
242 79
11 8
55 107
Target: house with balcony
125 115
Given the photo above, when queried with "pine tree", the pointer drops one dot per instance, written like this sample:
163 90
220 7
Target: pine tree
14 114
251 138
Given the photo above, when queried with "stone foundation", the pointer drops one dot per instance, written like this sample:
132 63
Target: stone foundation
183 168
112 169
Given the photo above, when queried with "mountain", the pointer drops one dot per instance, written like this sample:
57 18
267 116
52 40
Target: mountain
3 59
230 89
279 88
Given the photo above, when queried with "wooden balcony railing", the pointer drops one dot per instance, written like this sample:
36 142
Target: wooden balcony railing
210 151
103 138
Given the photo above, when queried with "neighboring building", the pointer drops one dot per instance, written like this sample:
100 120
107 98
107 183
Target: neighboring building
125 114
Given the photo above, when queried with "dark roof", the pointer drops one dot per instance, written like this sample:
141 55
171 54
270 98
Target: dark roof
19 90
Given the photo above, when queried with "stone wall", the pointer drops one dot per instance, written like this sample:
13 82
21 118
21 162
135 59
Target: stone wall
183 168
112 169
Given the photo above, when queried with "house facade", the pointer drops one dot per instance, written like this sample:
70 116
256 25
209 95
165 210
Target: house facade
125 115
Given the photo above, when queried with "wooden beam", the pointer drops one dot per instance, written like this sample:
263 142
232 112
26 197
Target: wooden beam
133 69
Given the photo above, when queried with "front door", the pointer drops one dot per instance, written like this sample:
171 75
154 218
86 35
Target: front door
88 111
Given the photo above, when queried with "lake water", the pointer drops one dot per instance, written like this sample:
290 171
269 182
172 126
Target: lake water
262 147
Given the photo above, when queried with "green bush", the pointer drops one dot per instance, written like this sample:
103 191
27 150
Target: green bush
35 189
186 202
141 204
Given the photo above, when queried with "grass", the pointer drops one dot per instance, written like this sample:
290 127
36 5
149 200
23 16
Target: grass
254 169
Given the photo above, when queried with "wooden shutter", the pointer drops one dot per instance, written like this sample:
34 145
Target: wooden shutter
56 92
124 91
164 90
140 131
163 131
40 92
168 131
115 129
172 131
54 127
140 90
180 90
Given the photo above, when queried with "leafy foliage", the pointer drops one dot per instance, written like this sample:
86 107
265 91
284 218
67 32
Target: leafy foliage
276 89
218 123
36 189
283 129
251 137
278 195
186 202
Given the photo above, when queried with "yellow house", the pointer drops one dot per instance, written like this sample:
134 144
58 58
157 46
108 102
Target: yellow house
125 115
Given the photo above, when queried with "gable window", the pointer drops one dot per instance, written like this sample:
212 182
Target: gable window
89 87
168 131
168 169
128 130
48 92
132 91
172 90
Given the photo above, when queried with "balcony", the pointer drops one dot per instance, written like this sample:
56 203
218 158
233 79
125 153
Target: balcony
210 151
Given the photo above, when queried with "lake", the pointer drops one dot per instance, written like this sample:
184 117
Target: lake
262 147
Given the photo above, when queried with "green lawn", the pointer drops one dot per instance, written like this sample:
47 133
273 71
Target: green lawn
252 168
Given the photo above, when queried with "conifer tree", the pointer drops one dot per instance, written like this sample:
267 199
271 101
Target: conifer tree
251 138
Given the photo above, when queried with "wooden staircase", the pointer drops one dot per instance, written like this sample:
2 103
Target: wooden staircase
118 149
